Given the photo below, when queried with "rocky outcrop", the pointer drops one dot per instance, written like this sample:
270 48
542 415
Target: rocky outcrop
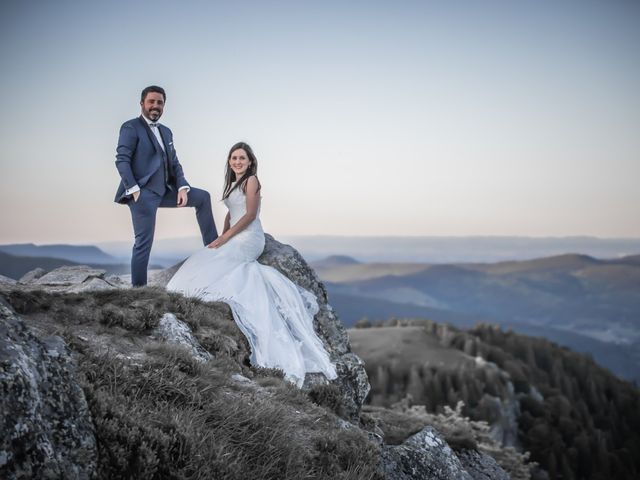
290 263
66 276
481 466
71 279
426 455
423 455
352 378
7 280
46 427
501 412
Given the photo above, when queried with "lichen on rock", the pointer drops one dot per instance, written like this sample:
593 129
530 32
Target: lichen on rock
46 427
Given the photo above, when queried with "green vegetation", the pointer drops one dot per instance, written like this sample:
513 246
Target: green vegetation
577 419
173 417
160 414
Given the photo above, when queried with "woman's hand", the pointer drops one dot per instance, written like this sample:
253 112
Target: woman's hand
218 242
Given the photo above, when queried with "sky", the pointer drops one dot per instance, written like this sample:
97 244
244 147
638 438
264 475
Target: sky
367 117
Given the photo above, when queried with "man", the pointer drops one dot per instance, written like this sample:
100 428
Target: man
152 177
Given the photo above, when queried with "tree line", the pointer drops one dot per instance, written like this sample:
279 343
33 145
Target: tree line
576 418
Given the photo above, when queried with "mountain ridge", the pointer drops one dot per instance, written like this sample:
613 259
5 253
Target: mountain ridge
593 298
75 253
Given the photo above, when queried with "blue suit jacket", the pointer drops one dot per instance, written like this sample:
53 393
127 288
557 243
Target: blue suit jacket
139 156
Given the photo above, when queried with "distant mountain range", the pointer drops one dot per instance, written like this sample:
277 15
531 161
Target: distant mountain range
432 249
409 249
74 253
16 260
588 304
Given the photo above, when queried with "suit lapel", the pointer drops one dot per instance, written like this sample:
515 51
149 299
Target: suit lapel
164 136
152 137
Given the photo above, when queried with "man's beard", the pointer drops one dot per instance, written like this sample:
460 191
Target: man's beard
154 114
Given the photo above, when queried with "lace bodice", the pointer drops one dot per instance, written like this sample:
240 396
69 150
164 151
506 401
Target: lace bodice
236 202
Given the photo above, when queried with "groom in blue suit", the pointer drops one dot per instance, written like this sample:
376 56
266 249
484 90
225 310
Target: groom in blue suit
152 177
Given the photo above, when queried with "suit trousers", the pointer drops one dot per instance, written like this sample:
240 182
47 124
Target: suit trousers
143 215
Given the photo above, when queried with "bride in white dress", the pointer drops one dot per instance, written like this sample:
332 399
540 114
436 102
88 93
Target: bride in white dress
275 315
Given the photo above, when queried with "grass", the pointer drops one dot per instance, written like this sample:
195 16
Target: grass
160 414
174 417
164 415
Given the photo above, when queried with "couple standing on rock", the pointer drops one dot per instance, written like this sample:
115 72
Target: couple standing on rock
274 314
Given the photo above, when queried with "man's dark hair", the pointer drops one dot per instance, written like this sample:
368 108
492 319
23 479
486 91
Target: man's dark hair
153 88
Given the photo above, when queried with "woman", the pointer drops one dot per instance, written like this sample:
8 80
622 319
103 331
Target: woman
274 314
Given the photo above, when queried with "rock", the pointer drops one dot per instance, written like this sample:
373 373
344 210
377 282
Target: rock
502 415
160 278
91 285
236 377
117 281
155 278
7 280
290 263
481 466
47 431
423 456
176 332
352 378
32 275
74 275
353 383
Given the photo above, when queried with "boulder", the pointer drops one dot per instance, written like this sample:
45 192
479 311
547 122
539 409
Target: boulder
290 263
352 378
481 466
47 431
66 276
424 456
32 275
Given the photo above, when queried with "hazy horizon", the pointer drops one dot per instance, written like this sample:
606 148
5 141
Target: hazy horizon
368 118
420 249
369 249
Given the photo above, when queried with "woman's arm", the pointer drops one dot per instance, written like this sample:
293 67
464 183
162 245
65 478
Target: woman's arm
227 223
253 202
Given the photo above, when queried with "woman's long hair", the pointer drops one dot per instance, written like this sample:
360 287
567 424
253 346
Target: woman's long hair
230 175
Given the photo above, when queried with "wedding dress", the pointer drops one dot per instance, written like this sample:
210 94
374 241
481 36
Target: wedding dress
274 314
